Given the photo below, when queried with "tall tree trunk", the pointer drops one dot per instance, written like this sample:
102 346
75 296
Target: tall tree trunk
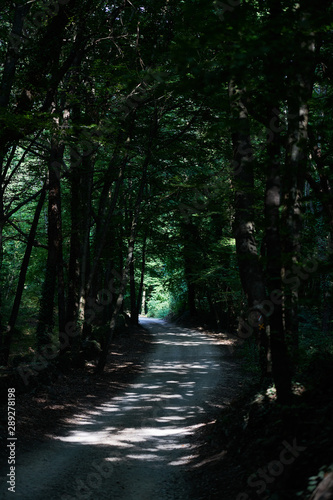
134 311
13 53
74 254
85 216
54 262
143 267
276 335
81 191
122 288
244 226
278 346
102 231
300 81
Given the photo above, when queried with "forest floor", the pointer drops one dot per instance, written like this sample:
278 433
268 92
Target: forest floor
231 451
256 449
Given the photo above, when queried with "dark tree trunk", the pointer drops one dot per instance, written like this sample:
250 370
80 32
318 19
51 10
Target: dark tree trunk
118 306
102 231
244 227
290 235
213 310
85 224
278 347
54 264
13 53
300 83
78 270
75 247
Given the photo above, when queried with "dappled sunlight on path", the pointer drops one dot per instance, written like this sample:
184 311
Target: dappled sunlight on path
139 438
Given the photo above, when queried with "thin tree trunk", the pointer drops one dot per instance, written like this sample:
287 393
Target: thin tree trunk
74 254
85 245
105 212
143 266
213 310
143 301
134 311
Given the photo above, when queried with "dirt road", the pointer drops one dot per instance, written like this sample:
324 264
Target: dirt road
137 445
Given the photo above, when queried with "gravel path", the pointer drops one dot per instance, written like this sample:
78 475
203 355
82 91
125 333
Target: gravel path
137 445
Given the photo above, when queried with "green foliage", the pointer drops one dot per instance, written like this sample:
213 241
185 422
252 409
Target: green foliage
314 480
152 103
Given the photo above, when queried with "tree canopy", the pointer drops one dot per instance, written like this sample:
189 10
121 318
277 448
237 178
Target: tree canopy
163 157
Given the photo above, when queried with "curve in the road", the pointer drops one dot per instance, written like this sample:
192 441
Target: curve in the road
135 446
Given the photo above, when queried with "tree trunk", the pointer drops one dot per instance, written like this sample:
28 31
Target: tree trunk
291 223
87 185
54 258
74 254
102 232
278 346
81 190
141 301
134 310
300 85
13 53
104 354
244 226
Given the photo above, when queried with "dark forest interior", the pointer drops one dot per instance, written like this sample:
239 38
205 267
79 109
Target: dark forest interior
173 159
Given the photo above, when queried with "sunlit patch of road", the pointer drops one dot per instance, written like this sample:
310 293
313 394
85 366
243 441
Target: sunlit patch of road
140 437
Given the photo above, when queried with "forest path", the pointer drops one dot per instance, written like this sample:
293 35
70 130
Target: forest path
137 445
